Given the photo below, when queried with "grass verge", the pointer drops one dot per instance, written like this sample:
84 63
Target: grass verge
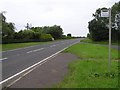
91 68
87 40
11 46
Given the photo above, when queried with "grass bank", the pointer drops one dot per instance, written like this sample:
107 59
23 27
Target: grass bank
87 40
11 46
91 68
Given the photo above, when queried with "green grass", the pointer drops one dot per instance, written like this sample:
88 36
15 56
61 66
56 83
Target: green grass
87 40
91 51
90 74
19 45
91 68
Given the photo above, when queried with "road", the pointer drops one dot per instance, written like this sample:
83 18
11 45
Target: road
14 61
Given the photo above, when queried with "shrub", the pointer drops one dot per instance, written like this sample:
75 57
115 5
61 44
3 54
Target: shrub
46 37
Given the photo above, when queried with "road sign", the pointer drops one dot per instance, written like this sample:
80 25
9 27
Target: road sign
105 13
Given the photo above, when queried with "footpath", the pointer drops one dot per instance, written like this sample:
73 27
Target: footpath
49 73
46 75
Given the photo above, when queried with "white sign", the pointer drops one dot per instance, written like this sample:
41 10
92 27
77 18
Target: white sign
105 13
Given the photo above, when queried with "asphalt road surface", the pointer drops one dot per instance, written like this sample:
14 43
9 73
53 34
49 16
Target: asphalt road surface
14 61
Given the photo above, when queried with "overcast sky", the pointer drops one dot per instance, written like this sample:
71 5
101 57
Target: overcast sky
72 15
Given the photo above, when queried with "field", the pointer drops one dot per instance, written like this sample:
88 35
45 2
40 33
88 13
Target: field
91 69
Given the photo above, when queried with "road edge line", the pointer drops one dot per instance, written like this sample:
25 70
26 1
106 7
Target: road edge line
36 64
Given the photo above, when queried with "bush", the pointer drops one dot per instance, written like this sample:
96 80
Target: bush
66 37
30 37
45 37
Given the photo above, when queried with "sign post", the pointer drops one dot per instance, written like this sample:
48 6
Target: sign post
107 13
109 64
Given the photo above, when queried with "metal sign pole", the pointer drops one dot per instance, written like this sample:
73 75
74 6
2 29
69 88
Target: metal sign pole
109 56
107 13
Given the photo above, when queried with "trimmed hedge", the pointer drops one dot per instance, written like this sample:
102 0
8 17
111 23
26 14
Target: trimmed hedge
42 37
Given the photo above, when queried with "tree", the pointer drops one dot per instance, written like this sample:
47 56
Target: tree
7 28
116 21
69 35
25 34
98 27
55 31
37 29
98 31
2 16
116 13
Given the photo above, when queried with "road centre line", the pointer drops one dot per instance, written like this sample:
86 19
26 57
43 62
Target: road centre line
22 48
53 55
35 50
3 59
19 48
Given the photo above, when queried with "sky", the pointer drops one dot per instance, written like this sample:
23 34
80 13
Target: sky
72 15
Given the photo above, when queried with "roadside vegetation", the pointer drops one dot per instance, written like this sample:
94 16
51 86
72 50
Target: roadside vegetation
98 26
91 68
30 34
87 40
10 39
12 46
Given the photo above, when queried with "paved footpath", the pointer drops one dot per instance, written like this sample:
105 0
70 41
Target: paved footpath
48 74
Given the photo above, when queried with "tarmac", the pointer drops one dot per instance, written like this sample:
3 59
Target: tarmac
48 74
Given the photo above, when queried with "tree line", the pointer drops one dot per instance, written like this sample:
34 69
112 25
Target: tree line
98 27
46 33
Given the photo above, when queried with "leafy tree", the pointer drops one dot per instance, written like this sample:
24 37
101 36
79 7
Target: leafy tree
98 31
55 31
98 27
28 34
3 18
7 28
25 34
116 21
37 36
37 29
69 35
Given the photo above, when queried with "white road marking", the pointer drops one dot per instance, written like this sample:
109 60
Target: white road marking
53 55
35 50
20 48
26 74
3 59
